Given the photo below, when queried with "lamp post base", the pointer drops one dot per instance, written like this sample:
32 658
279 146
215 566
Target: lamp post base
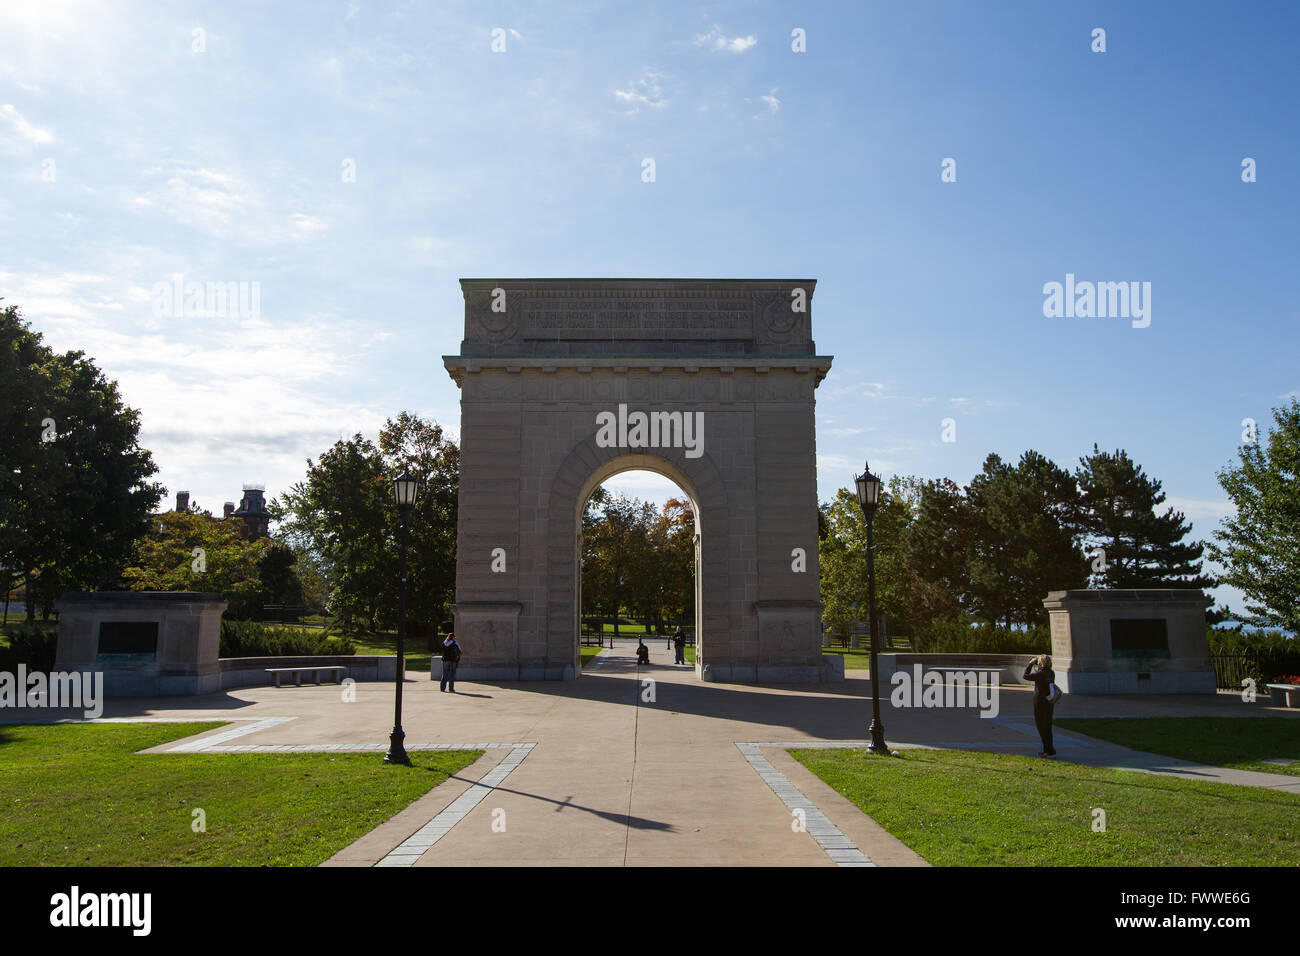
396 752
877 745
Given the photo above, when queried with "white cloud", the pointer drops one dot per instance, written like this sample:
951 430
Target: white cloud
28 131
217 395
718 41
645 90
773 104
1201 509
306 227
221 203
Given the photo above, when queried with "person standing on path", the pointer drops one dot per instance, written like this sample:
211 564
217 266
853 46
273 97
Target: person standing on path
450 658
1039 672
679 644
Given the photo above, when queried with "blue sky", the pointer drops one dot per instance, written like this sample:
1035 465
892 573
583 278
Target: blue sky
135 150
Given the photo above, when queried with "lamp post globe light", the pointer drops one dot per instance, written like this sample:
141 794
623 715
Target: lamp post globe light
405 490
868 499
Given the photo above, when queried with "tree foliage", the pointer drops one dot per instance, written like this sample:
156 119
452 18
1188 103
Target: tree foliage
192 551
1020 538
1259 546
75 493
343 519
843 556
1118 512
638 560
991 551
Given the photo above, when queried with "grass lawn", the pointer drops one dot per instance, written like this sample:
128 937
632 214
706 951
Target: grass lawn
1242 743
385 645
78 795
589 652
855 658
964 808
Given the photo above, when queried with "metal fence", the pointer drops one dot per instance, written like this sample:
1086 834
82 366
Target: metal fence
289 614
1265 666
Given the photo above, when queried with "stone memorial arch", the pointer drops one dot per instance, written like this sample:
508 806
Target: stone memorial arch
710 382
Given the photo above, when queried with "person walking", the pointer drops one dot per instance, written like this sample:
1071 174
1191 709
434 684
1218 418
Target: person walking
450 659
679 645
1039 672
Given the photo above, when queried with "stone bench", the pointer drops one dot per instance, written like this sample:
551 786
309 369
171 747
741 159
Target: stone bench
318 672
1284 695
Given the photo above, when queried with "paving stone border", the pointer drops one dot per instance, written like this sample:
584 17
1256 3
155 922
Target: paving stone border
420 842
193 745
838 847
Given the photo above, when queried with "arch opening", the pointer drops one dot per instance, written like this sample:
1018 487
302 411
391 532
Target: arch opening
637 558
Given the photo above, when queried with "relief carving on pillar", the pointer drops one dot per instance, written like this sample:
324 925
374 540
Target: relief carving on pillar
482 324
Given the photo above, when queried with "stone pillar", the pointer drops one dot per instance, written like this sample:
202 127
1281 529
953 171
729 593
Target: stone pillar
146 643
1109 641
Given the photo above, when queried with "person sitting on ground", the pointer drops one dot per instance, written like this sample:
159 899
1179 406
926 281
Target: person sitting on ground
642 652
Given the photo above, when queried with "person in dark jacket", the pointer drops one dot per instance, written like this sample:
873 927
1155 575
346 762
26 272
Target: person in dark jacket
1039 672
450 658
679 646
642 652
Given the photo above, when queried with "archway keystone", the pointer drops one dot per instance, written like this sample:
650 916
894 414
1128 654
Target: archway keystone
708 381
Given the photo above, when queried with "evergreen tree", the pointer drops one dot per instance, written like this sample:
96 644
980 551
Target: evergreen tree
1259 546
1118 513
1021 542
936 551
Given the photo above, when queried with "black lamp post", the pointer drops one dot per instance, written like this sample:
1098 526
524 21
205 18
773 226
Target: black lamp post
405 488
868 498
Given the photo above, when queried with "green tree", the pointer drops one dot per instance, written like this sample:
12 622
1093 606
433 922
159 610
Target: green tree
1259 546
192 551
1142 548
937 546
842 556
343 523
412 444
673 537
614 552
1022 543
75 493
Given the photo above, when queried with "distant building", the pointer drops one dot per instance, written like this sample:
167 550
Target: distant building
251 511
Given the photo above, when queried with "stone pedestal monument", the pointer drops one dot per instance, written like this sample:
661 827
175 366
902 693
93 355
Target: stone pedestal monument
146 643
567 382
1130 642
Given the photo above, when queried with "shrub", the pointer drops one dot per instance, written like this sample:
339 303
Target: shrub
251 639
31 644
961 637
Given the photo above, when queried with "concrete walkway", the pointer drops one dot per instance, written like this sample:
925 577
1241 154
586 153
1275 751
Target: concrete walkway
648 765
